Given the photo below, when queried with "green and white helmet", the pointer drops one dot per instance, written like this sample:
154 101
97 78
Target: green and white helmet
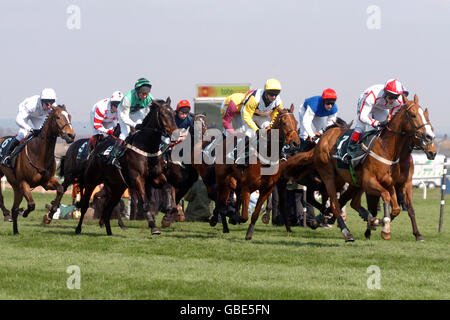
142 82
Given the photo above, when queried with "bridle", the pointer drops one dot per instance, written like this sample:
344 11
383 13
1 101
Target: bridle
421 137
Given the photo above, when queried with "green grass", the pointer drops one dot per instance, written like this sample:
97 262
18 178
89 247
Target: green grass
191 260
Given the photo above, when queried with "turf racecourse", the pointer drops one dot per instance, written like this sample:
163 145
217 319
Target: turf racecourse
194 261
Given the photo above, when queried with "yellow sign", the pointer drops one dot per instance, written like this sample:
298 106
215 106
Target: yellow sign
212 91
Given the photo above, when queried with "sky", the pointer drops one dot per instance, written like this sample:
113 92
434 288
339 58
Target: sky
86 49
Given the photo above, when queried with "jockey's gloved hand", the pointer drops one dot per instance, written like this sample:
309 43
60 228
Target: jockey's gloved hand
138 126
383 123
35 132
110 132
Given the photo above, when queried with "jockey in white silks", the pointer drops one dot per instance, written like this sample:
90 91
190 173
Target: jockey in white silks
31 116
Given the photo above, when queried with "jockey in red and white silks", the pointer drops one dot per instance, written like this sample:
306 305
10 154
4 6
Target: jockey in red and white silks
374 107
104 114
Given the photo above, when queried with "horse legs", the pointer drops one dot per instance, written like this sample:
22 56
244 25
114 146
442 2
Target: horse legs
266 217
30 202
411 213
112 199
262 198
84 204
53 184
281 186
6 212
18 196
328 177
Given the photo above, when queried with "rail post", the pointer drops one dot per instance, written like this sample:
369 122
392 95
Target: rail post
443 187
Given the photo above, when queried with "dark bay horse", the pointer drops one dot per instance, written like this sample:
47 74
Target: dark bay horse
73 164
374 176
36 165
181 175
250 179
141 164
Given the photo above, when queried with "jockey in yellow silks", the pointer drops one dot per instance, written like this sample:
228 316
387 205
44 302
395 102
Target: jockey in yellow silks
260 109
231 106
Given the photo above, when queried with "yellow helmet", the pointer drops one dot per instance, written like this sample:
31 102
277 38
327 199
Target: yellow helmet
272 85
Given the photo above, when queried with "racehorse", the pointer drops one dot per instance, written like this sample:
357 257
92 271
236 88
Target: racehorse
36 165
73 164
141 164
375 175
402 173
249 179
181 175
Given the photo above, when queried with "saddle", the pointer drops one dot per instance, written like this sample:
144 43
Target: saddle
364 145
19 148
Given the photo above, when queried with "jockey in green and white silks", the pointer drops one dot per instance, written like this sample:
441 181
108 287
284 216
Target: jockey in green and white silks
132 110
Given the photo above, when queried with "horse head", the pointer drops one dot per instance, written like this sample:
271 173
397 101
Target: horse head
419 124
200 122
161 117
287 124
61 121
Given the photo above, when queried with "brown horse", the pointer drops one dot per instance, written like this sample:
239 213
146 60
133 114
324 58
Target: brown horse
402 173
141 164
374 176
249 178
36 165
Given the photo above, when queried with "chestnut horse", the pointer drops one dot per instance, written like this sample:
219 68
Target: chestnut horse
402 173
250 179
374 176
36 165
141 164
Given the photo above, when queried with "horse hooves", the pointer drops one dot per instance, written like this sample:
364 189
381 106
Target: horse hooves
213 221
155 231
420 238
165 223
386 235
46 220
77 230
265 219
367 234
123 228
248 237
7 218
349 238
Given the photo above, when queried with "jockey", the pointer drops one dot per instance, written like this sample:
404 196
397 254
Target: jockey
230 106
133 108
104 115
182 118
316 113
260 108
34 109
376 106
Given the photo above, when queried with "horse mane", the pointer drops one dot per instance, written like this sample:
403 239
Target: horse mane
59 106
339 123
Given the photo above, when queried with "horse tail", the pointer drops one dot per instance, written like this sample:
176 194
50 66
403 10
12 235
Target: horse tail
61 166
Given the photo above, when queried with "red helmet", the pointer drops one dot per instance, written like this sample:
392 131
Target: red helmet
329 94
393 86
183 104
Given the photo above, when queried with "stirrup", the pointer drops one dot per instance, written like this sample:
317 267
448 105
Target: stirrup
7 161
115 162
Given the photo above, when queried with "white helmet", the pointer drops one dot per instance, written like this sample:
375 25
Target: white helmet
117 96
48 94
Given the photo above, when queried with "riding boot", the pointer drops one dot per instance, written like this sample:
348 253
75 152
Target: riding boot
11 146
115 153
352 148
